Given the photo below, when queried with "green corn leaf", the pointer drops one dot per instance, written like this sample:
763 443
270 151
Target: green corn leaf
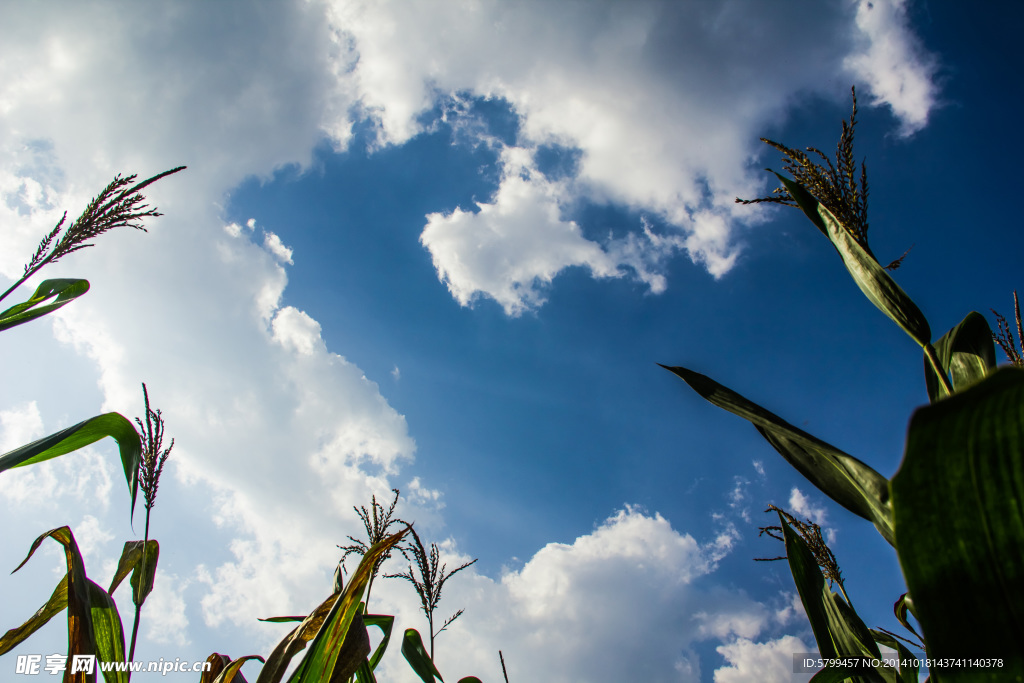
131 563
80 630
295 641
81 435
107 632
837 629
416 655
966 353
338 649
65 291
871 278
323 625
900 609
907 674
54 606
385 623
960 523
843 478
231 671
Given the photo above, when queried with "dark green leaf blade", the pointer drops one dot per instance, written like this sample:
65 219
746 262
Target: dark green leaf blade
873 280
837 629
416 655
385 622
66 291
107 632
959 502
81 435
843 478
967 353
54 606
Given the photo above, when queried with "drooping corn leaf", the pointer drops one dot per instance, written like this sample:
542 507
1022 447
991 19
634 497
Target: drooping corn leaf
54 606
364 674
871 278
80 630
81 435
959 506
231 673
966 353
385 623
131 562
107 632
416 655
900 609
218 663
66 291
837 629
843 478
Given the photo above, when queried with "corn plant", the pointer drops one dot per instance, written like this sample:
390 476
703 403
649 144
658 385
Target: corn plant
94 626
428 583
954 511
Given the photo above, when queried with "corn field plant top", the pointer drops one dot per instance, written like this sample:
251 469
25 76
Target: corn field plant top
954 512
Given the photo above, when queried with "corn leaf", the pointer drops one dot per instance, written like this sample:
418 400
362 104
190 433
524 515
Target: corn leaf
327 627
843 478
837 629
385 623
416 655
966 353
65 290
871 278
107 632
80 630
81 435
54 606
960 524
909 673
231 671
131 563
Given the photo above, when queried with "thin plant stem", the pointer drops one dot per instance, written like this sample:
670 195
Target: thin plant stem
151 466
503 671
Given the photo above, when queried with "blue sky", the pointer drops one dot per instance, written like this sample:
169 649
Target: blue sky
441 247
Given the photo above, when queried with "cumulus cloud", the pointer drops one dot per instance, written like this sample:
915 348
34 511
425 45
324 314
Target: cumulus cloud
769 662
663 103
640 587
800 505
511 247
893 62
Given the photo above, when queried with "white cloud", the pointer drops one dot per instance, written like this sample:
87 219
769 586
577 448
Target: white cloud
898 69
625 602
512 246
770 662
801 506
663 102
275 246
166 621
